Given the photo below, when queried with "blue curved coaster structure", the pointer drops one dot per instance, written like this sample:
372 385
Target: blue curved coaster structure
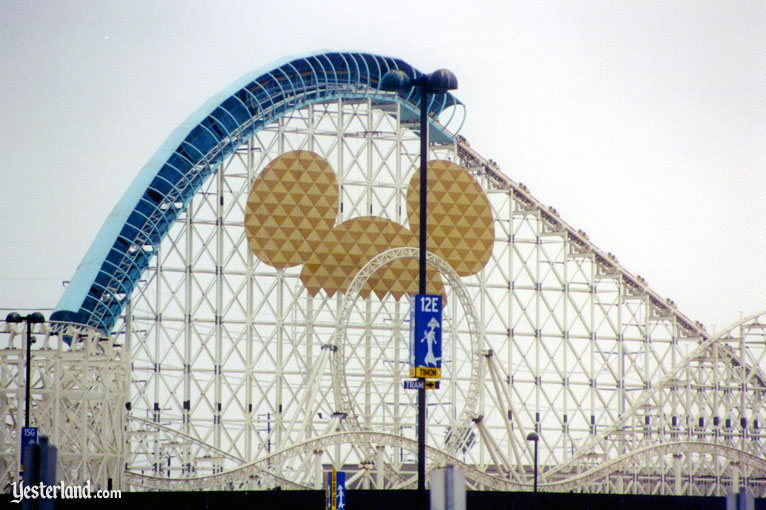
122 250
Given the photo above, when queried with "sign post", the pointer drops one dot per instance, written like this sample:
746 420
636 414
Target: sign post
425 344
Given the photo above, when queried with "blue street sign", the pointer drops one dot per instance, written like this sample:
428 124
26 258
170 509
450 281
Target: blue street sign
335 492
28 436
425 336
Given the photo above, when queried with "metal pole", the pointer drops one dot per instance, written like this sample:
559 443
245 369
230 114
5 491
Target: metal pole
423 81
536 467
423 180
29 348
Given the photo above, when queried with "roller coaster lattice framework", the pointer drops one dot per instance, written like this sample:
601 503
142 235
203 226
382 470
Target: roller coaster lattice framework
180 358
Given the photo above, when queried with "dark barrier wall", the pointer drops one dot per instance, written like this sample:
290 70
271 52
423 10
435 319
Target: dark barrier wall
386 500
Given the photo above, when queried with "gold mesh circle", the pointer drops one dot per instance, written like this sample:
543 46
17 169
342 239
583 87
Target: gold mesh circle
460 227
291 207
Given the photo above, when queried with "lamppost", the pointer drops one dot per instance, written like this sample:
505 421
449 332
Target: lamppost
532 436
32 318
438 82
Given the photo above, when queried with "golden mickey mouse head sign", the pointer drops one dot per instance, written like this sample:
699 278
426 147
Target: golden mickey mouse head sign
291 214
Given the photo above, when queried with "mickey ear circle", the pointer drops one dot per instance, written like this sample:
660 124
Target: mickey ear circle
460 226
292 205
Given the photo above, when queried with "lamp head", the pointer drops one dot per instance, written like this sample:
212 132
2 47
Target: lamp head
36 318
395 80
13 317
532 436
441 80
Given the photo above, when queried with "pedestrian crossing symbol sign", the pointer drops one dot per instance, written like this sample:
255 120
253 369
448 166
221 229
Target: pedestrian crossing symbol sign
426 336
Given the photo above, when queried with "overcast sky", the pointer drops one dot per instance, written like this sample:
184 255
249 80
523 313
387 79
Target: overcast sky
642 123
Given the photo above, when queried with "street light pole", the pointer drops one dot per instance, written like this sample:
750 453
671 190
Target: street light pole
422 270
436 83
28 435
32 318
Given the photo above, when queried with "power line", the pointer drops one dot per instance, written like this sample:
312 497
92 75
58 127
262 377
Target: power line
30 278
16 309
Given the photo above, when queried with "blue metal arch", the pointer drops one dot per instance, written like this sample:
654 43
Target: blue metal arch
162 190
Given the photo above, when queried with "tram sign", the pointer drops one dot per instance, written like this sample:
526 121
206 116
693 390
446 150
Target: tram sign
335 490
426 336
416 384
